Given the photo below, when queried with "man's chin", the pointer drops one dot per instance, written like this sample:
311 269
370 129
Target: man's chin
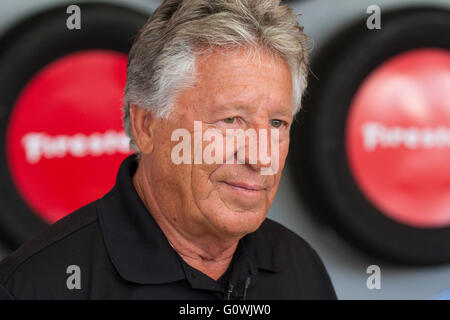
242 198
240 223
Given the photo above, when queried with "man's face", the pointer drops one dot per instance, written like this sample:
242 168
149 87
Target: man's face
233 90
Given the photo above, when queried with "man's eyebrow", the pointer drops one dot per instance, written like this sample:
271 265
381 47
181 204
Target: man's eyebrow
240 106
230 107
284 113
227 107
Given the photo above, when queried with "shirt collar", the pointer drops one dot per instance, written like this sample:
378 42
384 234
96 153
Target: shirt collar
139 249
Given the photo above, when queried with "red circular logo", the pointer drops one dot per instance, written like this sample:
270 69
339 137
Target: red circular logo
398 138
65 139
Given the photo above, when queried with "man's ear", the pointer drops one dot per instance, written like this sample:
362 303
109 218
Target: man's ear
142 126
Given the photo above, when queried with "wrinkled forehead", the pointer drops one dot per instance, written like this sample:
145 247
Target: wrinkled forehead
239 78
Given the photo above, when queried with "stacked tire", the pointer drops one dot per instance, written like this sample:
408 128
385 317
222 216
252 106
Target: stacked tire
371 148
61 137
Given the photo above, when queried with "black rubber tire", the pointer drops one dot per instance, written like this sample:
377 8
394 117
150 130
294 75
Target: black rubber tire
25 50
318 154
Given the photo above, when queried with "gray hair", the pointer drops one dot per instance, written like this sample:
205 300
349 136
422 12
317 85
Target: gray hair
161 62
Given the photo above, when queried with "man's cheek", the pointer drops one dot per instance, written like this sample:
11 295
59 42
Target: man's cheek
284 151
202 185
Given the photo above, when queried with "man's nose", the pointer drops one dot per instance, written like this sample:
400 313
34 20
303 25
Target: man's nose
259 148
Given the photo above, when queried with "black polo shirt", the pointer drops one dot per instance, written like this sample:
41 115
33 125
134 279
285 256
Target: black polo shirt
119 252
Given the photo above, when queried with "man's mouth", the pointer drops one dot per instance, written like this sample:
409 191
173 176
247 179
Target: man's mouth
242 186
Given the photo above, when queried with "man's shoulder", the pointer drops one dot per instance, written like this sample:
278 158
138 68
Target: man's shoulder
295 260
290 249
54 246
282 238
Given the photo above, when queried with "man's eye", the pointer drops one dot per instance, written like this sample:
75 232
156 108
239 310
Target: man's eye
277 123
231 120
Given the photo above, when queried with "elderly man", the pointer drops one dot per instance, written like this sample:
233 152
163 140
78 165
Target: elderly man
187 216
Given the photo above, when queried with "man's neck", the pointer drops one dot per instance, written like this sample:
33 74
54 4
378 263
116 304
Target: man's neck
212 267
207 253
